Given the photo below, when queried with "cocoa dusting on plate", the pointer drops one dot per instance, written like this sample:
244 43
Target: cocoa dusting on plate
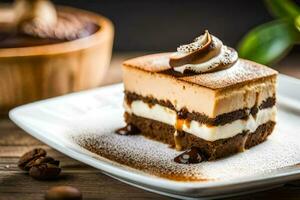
135 152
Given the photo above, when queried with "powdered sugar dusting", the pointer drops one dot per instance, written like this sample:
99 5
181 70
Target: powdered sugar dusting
152 63
133 151
242 71
198 43
95 132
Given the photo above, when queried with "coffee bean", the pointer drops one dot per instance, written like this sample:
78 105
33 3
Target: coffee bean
63 193
29 157
30 164
46 159
39 165
41 160
191 156
44 171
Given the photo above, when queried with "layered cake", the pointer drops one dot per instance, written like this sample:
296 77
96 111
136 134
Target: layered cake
201 97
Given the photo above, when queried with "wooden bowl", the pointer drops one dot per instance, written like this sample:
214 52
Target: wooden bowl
32 73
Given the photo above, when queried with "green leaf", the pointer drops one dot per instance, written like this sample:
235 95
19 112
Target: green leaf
297 23
283 8
268 42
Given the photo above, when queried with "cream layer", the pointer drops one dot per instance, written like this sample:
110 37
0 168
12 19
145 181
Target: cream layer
209 133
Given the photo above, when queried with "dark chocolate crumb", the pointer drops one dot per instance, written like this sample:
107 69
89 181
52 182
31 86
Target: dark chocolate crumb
129 129
191 156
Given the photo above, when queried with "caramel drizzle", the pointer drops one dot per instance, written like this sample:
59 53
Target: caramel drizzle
243 143
177 140
178 133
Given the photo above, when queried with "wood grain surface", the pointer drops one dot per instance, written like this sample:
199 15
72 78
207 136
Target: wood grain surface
16 184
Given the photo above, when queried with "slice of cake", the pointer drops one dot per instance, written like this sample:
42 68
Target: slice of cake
201 96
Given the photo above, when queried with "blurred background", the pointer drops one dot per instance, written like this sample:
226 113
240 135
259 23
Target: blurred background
161 25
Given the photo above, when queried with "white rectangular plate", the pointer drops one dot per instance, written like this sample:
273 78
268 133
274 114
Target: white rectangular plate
97 113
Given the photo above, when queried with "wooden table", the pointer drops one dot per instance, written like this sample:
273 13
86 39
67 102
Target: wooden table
15 184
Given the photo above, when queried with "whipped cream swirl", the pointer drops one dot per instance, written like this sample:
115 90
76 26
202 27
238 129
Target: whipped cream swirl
205 54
